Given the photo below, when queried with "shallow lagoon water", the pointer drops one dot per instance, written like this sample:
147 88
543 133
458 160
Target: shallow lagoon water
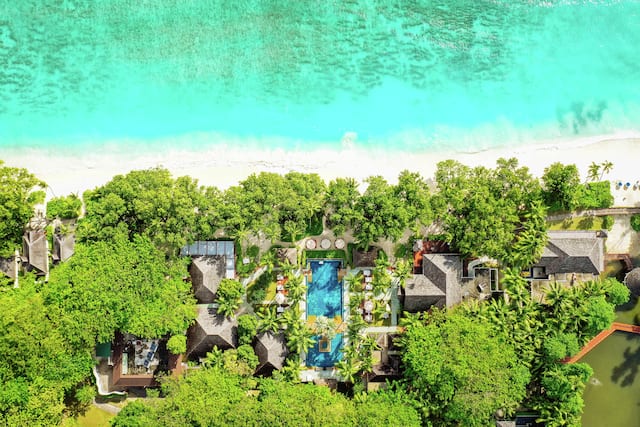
612 396
453 75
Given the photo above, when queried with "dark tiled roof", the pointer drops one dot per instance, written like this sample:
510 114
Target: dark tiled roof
438 285
271 350
34 245
573 252
209 330
632 280
7 266
362 259
63 247
289 254
206 274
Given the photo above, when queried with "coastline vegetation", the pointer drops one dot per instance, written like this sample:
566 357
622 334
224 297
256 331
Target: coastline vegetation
463 366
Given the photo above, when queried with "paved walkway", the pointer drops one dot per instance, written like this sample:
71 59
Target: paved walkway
107 407
615 326
595 212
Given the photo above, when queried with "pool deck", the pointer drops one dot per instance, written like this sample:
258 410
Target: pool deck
615 326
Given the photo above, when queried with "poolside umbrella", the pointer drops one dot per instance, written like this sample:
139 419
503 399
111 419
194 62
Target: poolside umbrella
280 298
632 280
368 305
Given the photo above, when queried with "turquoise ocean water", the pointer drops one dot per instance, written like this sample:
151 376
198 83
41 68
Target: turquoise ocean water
402 74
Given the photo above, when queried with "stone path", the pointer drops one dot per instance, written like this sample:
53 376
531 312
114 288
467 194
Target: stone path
595 212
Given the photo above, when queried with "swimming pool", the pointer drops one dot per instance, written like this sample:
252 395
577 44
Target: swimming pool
324 298
328 357
324 292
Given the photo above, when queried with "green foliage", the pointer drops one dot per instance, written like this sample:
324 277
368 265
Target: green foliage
561 184
37 367
463 370
387 408
253 252
493 212
379 213
19 193
412 190
617 293
170 212
561 404
282 207
119 285
247 355
342 196
229 296
635 222
177 344
594 195
68 207
560 346
213 397
328 254
247 328
607 222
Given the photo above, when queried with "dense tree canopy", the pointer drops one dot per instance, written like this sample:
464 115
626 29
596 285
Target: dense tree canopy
213 397
378 213
272 204
68 207
561 184
171 212
119 285
38 370
491 212
463 369
20 191
342 196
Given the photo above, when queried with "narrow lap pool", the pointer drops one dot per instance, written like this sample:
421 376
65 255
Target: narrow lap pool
324 298
324 292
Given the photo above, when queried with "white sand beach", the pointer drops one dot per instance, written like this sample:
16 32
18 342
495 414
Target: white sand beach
223 166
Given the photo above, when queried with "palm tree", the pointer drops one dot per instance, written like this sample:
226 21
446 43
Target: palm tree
593 172
291 370
347 369
402 271
213 358
290 317
325 327
300 338
606 168
268 320
410 320
227 307
354 282
268 260
296 287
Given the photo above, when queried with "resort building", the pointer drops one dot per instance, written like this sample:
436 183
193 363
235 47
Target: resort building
63 247
438 284
132 362
211 329
569 257
35 252
206 273
271 350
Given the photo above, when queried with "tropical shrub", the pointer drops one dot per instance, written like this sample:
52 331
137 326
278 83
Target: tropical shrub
177 344
68 207
635 222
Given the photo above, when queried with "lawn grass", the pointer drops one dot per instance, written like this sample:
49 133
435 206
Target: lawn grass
94 417
577 223
328 254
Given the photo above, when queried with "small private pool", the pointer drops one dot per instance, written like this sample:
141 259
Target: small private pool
325 353
324 298
612 396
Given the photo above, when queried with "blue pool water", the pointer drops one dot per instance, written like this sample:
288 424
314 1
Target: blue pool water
404 75
325 359
324 293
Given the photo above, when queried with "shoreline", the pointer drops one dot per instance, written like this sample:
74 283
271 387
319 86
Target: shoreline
219 165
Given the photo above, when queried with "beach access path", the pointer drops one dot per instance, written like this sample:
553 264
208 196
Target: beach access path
595 212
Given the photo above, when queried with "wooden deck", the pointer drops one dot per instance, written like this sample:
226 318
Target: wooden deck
624 327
